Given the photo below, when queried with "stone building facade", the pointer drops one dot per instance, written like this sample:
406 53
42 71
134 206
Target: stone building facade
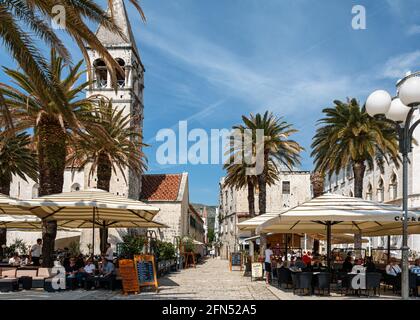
385 186
292 189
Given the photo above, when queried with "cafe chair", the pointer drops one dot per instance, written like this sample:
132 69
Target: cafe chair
343 282
303 281
373 282
323 281
284 277
295 281
413 283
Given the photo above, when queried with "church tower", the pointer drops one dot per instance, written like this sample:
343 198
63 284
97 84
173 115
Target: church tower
129 95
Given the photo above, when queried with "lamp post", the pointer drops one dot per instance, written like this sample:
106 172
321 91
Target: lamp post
400 111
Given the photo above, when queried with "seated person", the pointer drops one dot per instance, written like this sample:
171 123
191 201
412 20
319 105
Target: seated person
358 267
317 265
107 272
88 273
15 260
90 267
307 258
72 273
370 266
299 264
347 265
416 270
80 261
393 269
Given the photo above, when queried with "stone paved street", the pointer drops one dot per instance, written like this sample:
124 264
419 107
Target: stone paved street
211 280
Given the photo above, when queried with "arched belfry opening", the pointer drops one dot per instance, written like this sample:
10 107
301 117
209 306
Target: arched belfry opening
121 77
100 73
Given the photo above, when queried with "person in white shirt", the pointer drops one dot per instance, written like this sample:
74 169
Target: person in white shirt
36 251
89 267
393 269
15 260
268 253
109 254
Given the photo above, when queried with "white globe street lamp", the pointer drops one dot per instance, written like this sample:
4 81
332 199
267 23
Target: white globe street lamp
400 111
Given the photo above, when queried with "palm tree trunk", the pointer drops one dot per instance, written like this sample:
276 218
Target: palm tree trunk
4 189
104 173
52 161
359 169
251 199
262 184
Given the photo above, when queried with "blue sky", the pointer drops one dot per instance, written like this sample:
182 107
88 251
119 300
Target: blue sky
212 61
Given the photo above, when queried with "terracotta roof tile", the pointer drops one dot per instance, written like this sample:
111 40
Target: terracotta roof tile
160 187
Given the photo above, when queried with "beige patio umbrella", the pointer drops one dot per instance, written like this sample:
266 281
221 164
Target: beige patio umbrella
332 213
8 206
92 207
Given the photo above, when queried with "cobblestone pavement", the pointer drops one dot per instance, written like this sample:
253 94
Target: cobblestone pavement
211 280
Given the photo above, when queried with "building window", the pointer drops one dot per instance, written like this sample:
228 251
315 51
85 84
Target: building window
285 187
393 187
101 73
35 191
369 192
380 191
121 78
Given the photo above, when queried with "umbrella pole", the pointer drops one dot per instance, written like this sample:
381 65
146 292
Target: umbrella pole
93 233
329 244
388 248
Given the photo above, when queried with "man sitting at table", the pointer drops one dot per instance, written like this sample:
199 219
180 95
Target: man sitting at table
15 261
72 273
107 272
316 265
394 271
416 270
88 273
299 264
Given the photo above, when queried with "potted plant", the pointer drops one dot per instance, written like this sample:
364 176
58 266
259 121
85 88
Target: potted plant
188 244
132 245
165 253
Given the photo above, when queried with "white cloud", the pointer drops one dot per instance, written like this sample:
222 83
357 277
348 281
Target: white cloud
413 30
396 67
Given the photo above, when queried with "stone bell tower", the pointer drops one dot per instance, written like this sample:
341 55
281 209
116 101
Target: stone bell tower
129 95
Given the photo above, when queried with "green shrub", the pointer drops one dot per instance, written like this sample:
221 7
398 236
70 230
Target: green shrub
132 245
18 246
188 244
165 251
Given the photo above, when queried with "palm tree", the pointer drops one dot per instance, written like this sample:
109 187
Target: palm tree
349 136
110 145
237 177
53 122
16 158
21 20
278 149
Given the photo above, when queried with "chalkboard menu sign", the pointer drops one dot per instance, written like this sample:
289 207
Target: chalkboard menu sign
235 260
146 270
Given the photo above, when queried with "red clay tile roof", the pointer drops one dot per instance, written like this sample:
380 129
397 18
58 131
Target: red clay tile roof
160 187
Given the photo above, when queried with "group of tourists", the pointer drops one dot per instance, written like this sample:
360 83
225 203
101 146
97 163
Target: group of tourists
314 262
